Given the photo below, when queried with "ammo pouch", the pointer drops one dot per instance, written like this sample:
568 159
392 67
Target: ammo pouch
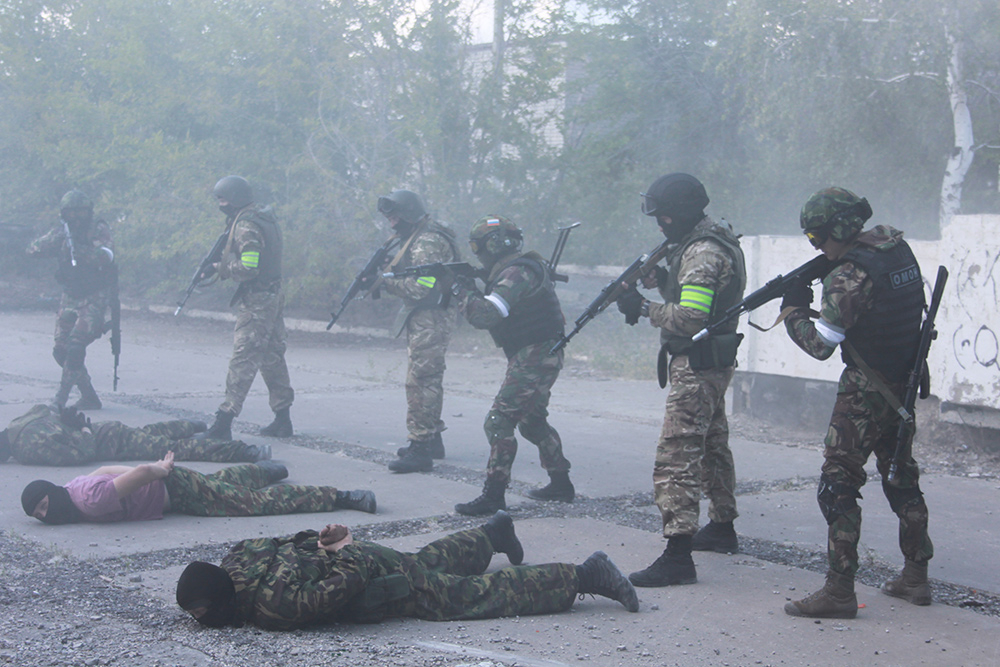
717 351
381 591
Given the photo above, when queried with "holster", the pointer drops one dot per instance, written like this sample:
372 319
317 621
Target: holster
717 351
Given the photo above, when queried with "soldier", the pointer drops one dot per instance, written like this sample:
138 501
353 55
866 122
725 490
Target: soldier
145 492
312 578
521 311
49 437
871 306
427 317
86 272
705 276
252 257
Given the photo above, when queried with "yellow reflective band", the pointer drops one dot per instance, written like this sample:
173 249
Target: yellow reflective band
697 297
426 281
250 259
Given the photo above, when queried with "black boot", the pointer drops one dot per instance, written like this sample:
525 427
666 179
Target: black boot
274 471
222 427
500 530
362 501
198 426
488 502
559 488
255 453
599 576
719 537
281 427
674 567
89 400
435 447
417 459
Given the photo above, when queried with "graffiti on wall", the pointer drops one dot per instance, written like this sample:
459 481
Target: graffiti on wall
975 343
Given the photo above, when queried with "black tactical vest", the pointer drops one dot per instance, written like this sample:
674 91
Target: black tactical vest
269 268
731 294
536 318
887 336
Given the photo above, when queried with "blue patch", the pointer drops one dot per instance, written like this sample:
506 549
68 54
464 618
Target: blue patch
904 277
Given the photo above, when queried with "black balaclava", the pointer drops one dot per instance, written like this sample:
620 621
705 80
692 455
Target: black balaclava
61 508
205 585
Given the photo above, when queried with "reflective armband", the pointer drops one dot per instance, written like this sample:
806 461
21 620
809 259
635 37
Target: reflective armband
697 297
427 281
250 259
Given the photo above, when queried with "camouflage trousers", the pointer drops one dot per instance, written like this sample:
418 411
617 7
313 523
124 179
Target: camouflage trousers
115 441
522 402
693 455
242 491
79 323
428 332
447 581
863 422
259 345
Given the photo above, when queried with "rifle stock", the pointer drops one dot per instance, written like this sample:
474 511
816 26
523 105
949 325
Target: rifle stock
913 382
813 270
204 270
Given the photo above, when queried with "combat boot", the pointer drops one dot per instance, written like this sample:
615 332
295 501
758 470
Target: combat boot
911 585
273 471
435 447
488 502
362 501
674 567
559 488
281 427
417 459
255 453
500 530
89 400
222 427
719 537
599 576
835 600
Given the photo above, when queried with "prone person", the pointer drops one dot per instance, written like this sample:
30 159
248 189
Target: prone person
146 491
313 578
47 436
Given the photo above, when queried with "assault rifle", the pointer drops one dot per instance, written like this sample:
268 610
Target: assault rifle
440 270
626 281
116 322
205 269
918 380
370 270
69 241
814 269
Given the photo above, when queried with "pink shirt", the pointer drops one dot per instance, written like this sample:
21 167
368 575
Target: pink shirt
97 499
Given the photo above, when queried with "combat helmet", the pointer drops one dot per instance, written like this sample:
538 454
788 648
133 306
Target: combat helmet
834 213
405 205
76 207
235 191
678 196
494 236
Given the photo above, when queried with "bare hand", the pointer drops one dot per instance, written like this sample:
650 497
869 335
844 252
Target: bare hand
163 467
334 537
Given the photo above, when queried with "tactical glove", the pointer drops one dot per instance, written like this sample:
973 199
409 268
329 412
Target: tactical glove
797 295
630 305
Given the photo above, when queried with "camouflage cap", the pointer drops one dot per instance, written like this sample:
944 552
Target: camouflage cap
835 213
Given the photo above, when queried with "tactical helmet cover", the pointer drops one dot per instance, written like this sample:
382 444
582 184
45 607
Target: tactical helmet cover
834 213
495 235
404 204
75 199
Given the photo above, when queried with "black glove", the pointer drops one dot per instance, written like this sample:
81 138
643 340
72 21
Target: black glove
630 305
659 277
73 418
797 295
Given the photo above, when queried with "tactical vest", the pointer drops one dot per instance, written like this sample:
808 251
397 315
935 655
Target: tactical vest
269 268
887 336
730 295
435 298
84 279
536 318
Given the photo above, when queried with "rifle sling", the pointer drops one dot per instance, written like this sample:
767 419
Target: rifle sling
781 318
399 255
876 380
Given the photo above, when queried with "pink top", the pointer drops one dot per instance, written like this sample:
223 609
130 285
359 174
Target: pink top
97 499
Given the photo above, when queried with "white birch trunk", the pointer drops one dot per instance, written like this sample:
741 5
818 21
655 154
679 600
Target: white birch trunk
961 156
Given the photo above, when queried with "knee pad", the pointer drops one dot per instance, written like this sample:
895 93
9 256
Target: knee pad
498 426
75 354
534 429
835 498
900 499
59 354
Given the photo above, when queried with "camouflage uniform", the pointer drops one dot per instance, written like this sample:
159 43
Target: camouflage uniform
243 491
288 583
39 438
693 455
863 422
85 298
428 329
259 335
523 398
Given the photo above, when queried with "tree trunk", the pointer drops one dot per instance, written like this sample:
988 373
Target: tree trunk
961 156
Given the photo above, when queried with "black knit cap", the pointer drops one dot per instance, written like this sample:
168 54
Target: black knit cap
61 508
209 586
